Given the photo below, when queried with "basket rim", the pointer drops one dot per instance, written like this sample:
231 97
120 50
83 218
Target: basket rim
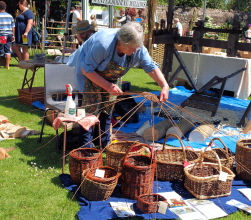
85 158
230 176
108 147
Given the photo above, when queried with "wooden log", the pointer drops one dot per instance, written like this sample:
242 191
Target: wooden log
247 128
181 128
157 131
201 133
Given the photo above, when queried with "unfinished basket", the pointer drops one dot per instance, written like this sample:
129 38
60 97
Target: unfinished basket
115 152
81 159
202 179
98 188
226 158
149 203
137 173
242 157
170 161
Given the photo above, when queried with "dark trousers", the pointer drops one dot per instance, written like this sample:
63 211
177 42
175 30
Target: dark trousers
87 136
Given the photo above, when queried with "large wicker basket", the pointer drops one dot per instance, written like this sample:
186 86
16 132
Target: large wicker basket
149 203
242 157
99 188
170 161
81 159
202 179
137 173
115 152
226 158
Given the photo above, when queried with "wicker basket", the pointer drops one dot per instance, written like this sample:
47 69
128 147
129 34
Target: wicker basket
202 179
28 97
137 173
96 188
226 158
115 152
81 159
242 157
149 203
170 162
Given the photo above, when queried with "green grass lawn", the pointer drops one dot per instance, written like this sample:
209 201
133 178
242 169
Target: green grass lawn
29 183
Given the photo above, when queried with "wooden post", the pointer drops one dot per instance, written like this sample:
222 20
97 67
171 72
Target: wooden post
233 40
151 10
168 51
197 36
43 36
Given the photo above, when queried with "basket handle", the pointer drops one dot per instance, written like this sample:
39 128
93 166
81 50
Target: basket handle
137 145
225 147
219 163
181 143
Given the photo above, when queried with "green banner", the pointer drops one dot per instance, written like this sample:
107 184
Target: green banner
123 3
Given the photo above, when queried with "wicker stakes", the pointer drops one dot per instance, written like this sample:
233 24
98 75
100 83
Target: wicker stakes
96 188
149 203
81 159
170 161
137 173
242 156
226 158
202 179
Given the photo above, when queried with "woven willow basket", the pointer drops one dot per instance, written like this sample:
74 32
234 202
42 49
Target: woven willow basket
116 151
149 203
202 179
226 158
81 159
170 162
96 188
243 161
137 173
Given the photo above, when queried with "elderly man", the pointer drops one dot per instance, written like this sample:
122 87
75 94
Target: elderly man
7 29
178 25
100 63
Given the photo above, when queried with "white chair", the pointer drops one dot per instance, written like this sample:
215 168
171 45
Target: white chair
56 76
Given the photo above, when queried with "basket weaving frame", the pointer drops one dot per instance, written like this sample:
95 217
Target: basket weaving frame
242 157
149 203
229 159
169 164
137 179
208 187
77 163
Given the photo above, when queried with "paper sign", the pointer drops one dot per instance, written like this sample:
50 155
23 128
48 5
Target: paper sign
162 207
223 176
99 173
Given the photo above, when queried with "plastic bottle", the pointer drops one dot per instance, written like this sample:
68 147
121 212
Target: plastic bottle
70 106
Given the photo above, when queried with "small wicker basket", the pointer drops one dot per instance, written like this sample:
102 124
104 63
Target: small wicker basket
149 203
202 179
116 151
242 156
170 162
81 159
226 158
137 173
96 188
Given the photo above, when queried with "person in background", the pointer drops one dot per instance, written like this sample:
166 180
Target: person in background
100 63
7 30
23 30
93 22
178 25
124 17
60 33
76 16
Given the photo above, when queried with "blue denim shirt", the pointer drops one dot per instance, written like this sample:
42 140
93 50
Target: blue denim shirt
98 50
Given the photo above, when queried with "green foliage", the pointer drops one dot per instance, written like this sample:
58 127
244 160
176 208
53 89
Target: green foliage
241 5
217 4
189 3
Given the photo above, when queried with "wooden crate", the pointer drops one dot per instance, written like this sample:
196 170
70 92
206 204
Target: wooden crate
245 54
28 97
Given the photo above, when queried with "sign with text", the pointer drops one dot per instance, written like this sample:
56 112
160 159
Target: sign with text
124 3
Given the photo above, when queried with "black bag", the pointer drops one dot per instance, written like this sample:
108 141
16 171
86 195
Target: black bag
121 108
36 37
71 140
